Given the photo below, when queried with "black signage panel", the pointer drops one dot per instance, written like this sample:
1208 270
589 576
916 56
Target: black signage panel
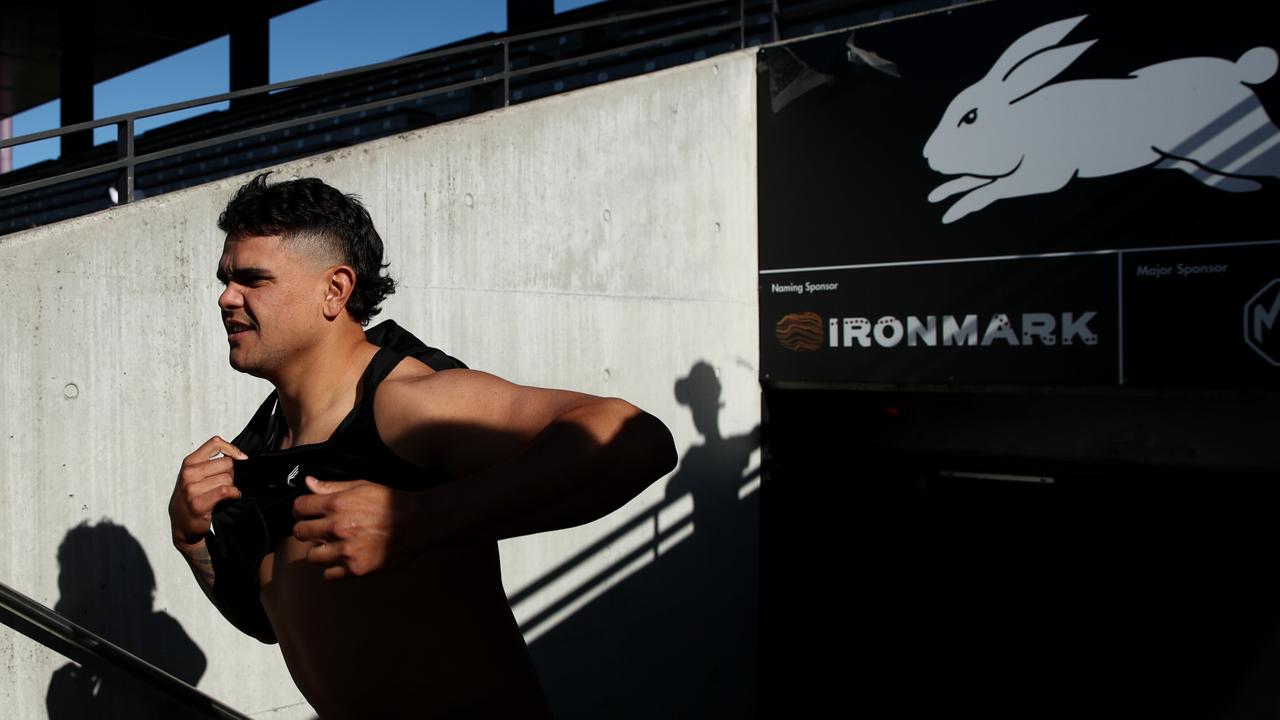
1018 321
1022 161
1207 313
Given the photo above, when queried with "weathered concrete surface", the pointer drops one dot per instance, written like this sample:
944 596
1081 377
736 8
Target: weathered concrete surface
603 241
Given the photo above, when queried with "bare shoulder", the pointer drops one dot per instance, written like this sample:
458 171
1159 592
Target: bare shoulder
463 417
418 394
417 399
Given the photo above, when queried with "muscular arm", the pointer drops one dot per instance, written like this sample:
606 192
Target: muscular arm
589 461
527 460
530 459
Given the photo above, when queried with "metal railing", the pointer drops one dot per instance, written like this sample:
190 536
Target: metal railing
127 159
88 649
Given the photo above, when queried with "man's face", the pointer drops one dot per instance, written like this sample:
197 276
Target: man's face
271 304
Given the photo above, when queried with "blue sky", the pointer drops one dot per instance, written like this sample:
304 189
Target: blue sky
322 37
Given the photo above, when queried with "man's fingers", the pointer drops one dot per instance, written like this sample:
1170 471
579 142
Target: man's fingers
207 448
329 554
215 445
316 531
195 467
328 487
204 480
326 554
212 484
205 484
202 469
309 506
204 503
230 450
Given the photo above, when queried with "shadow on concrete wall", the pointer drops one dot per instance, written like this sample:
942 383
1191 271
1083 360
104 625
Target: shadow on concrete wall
106 585
678 637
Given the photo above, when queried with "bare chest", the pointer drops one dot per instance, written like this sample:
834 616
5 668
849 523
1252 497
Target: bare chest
439 628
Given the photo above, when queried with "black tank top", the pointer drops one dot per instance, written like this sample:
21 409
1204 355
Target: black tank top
245 530
355 450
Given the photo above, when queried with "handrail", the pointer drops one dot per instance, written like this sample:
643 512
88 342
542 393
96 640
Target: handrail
127 159
80 645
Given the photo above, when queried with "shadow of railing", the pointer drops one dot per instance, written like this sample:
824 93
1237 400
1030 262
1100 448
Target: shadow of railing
659 616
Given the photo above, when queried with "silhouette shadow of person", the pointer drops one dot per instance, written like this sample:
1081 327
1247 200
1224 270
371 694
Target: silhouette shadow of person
676 638
106 585
715 471
724 545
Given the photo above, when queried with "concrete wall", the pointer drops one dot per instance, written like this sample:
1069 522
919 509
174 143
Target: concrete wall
603 241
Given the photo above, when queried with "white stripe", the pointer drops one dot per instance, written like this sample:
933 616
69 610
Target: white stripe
1033 256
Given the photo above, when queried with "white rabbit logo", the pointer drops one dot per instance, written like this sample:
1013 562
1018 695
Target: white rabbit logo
1011 134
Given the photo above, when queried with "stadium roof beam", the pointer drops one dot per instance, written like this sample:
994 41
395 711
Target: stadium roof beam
527 14
62 49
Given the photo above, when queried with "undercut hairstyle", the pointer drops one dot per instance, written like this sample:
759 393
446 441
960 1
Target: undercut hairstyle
308 214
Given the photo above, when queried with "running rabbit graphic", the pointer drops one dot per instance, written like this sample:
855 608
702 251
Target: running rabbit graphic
1012 134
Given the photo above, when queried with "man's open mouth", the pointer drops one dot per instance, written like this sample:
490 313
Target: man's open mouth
236 329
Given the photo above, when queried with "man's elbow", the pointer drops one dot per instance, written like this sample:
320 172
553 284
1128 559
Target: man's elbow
651 447
665 455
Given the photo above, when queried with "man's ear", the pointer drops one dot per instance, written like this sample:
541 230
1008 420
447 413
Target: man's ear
342 281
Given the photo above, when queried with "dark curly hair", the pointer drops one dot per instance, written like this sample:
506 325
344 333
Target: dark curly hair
308 208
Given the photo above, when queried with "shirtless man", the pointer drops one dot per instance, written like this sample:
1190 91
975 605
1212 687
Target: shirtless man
389 602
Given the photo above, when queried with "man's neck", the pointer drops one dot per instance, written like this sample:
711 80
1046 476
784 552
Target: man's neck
321 383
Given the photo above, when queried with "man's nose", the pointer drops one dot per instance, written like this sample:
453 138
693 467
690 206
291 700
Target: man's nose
230 297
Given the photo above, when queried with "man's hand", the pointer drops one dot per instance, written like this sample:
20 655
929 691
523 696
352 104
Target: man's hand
356 527
204 480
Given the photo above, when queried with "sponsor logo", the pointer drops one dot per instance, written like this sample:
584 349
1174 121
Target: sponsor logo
800 331
1261 315
1046 329
1016 133
804 331
291 481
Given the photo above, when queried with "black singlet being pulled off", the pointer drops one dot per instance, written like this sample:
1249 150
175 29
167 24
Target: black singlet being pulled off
246 529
